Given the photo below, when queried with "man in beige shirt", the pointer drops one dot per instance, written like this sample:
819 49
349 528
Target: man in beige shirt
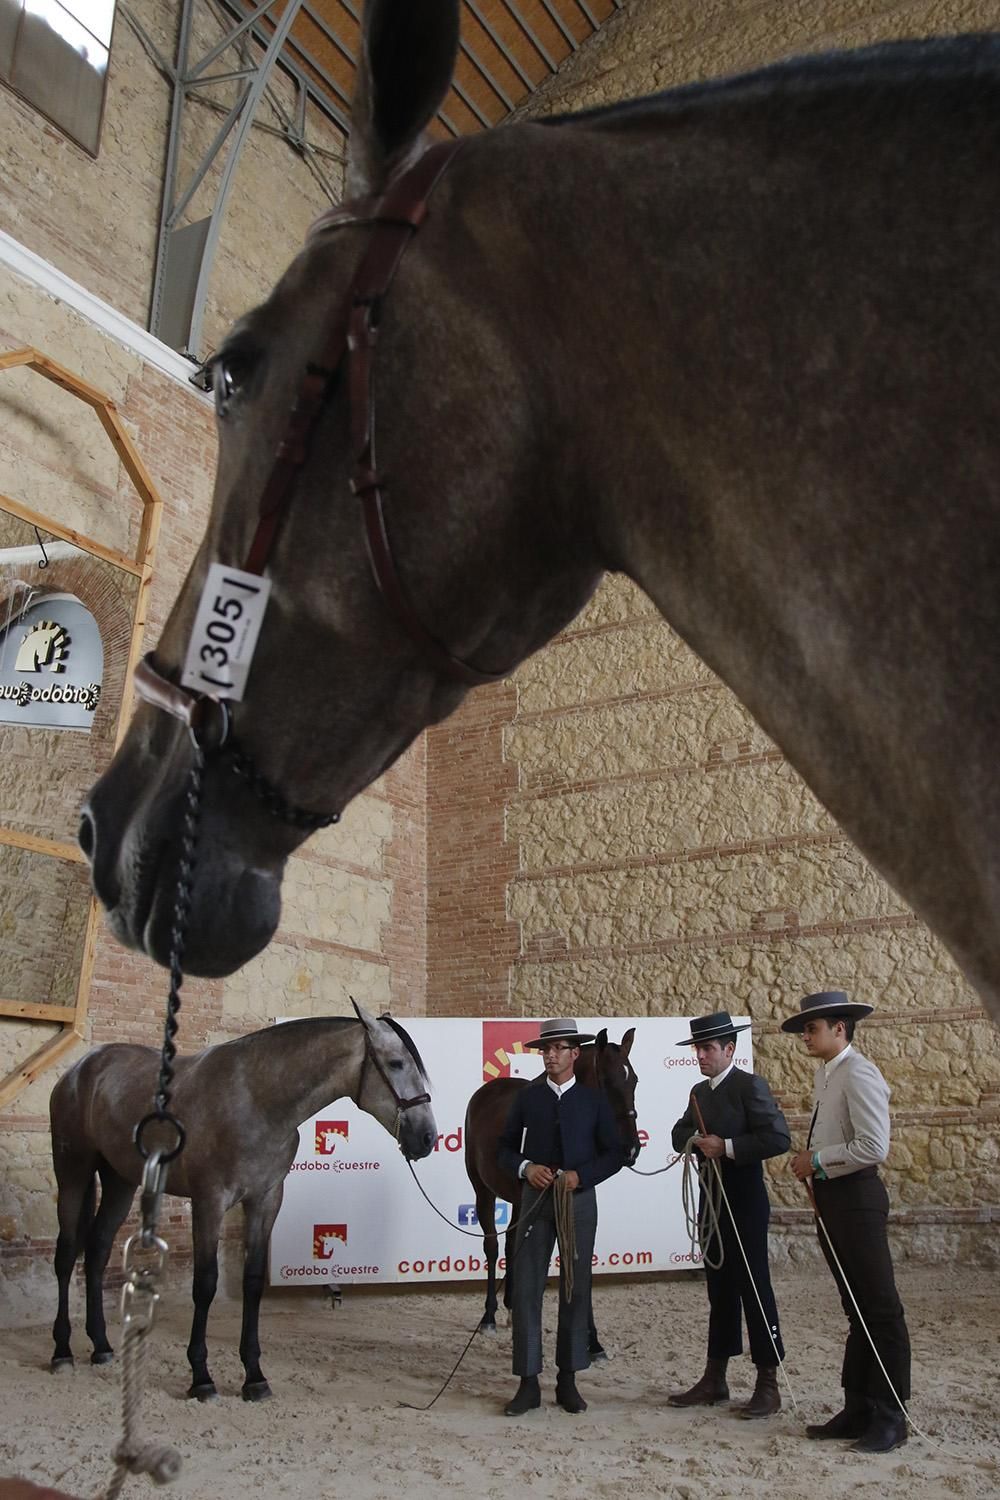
848 1140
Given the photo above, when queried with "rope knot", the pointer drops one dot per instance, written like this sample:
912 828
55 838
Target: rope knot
161 1462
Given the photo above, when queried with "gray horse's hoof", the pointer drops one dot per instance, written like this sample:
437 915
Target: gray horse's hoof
102 1356
259 1391
488 1330
205 1392
63 1365
599 1357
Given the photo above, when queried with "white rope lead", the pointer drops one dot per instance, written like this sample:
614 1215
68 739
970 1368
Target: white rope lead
980 1463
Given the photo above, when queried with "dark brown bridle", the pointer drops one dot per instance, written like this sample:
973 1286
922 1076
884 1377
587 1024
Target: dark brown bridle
371 1056
395 218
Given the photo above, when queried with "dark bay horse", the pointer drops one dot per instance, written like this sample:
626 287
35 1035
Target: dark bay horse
240 1103
739 341
602 1065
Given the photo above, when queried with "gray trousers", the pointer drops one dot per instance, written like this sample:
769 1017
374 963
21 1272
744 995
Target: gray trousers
536 1238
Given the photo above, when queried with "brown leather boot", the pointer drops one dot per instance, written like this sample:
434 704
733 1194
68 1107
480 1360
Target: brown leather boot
766 1398
710 1388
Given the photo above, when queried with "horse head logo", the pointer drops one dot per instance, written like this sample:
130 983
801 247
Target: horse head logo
326 1238
328 1133
45 645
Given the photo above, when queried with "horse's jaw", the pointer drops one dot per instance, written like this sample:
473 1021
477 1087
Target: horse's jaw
233 915
133 834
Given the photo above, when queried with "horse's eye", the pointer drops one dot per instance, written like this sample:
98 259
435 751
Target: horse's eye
396 1064
229 375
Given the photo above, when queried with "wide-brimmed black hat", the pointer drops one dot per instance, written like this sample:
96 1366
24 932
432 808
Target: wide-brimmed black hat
826 1005
559 1030
715 1028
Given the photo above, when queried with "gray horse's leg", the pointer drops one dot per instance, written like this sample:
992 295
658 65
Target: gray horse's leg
116 1200
75 1209
206 1223
259 1215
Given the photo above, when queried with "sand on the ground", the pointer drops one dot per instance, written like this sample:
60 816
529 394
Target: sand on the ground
336 1429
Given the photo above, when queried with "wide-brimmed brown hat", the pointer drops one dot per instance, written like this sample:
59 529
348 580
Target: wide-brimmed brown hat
826 1005
559 1030
717 1027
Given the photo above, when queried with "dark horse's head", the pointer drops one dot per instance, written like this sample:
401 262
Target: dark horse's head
606 1066
338 687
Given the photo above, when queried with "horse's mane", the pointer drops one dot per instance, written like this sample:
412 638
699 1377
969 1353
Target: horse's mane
949 58
408 1043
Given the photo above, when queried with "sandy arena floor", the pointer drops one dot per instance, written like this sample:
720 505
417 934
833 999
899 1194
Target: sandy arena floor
335 1431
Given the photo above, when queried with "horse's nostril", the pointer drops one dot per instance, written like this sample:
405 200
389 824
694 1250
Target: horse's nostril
85 834
429 1138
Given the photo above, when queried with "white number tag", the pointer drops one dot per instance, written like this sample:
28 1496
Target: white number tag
225 632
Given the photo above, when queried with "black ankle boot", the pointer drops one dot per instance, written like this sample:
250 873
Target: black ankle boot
852 1422
525 1398
885 1431
567 1395
708 1390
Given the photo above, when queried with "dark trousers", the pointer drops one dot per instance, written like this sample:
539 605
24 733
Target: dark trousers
855 1210
536 1238
731 1294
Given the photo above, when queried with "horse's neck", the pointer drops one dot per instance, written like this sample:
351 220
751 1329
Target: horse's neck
750 348
586 1068
307 1068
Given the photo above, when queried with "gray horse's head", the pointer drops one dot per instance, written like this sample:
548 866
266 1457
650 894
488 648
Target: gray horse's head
394 1087
486 515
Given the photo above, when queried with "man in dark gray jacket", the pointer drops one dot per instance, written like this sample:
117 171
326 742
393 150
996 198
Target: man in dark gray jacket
735 1121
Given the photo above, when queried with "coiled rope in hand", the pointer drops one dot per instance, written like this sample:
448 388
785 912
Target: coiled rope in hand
701 1194
562 1206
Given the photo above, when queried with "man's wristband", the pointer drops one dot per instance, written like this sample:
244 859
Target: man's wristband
817 1167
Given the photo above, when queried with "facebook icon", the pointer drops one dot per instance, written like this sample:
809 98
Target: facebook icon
469 1219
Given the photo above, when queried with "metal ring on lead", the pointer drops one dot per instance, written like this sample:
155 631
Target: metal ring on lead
160 1119
198 725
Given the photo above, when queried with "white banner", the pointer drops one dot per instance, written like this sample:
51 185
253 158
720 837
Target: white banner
352 1213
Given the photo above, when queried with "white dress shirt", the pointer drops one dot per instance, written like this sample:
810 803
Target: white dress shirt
713 1084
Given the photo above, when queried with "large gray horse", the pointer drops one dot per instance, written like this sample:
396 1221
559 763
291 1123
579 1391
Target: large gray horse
241 1103
740 342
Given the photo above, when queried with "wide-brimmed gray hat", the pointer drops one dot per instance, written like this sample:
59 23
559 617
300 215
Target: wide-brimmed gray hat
559 1030
826 1005
714 1028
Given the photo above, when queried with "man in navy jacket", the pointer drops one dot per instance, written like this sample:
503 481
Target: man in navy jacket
557 1128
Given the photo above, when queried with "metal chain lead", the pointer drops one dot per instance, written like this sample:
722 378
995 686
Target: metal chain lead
178 933
299 817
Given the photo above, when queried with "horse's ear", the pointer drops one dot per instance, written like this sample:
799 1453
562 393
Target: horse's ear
627 1041
602 1039
408 51
363 1016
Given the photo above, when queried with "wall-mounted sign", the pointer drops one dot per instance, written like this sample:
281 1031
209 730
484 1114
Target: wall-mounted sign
51 662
